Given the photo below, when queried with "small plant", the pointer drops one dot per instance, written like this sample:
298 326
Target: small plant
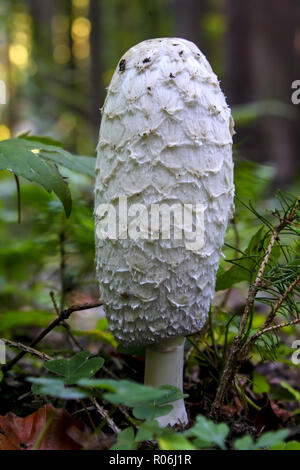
273 271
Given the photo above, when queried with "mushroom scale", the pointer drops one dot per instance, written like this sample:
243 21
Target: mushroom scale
165 138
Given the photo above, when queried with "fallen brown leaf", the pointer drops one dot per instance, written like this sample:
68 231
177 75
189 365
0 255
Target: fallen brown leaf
271 416
46 429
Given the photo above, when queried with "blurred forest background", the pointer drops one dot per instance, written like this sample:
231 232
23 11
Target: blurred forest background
57 58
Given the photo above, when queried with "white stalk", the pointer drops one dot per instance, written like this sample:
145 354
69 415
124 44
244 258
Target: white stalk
164 366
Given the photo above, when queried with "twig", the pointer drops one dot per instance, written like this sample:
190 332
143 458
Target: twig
93 400
110 373
266 326
27 349
130 420
65 324
64 315
52 296
88 414
230 365
272 328
106 416
44 357
280 301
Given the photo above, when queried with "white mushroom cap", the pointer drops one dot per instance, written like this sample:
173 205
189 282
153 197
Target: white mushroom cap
165 137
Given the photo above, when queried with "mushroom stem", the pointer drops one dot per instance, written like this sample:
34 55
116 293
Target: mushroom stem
164 366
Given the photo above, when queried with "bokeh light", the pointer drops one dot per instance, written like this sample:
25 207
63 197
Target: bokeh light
18 55
4 132
81 28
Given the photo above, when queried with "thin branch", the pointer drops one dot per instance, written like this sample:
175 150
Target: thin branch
273 328
130 420
65 324
44 357
230 365
266 326
27 349
88 415
280 301
64 315
93 400
106 416
52 296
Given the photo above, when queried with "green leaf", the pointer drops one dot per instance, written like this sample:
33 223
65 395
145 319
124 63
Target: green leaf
46 140
280 446
17 156
52 150
55 388
244 443
260 384
76 368
125 440
147 402
1 375
151 410
158 407
170 394
175 442
149 430
271 439
208 433
132 394
292 445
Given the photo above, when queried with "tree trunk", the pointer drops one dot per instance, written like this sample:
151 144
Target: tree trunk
261 66
187 15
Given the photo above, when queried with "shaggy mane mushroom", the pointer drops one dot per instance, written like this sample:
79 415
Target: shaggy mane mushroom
165 140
